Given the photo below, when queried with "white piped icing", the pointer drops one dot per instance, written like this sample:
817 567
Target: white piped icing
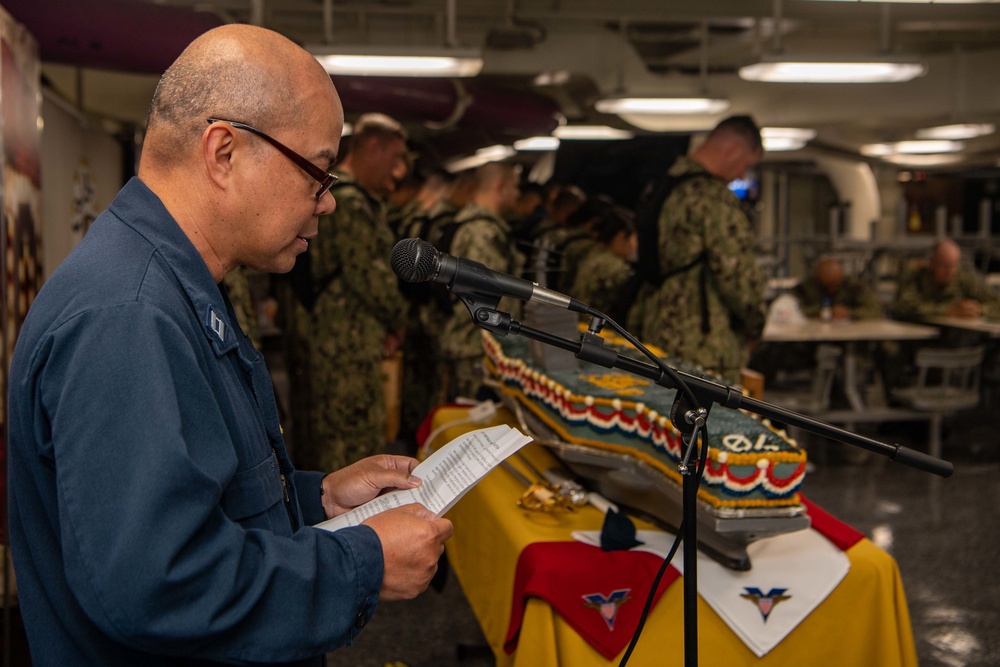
650 428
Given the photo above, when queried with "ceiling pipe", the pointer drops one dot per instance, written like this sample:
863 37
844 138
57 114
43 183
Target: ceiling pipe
776 46
623 31
328 21
885 29
257 12
451 10
958 96
462 102
703 58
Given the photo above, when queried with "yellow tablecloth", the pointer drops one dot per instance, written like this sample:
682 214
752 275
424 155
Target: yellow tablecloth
865 620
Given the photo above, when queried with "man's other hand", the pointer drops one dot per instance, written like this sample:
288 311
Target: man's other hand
412 543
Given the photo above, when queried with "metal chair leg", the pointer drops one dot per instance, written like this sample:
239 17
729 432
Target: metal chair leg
935 434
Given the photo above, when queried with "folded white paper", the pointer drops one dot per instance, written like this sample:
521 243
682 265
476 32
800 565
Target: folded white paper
447 474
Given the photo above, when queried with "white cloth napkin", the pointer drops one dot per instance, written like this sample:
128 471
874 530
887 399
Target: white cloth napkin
790 575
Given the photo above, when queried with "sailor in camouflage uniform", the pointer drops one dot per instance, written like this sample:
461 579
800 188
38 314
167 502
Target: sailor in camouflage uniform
481 235
938 288
578 242
428 304
847 296
549 240
442 214
708 313
416 219
607 266
338 400
942 289
238 289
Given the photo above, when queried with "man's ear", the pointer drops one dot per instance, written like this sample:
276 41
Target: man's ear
218 146
732 149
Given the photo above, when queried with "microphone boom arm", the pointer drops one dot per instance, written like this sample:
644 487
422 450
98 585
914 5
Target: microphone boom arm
591 348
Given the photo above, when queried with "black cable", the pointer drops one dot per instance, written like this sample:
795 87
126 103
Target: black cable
666 562
702 435
652 594
662 365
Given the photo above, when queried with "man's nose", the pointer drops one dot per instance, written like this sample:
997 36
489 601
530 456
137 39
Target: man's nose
326 204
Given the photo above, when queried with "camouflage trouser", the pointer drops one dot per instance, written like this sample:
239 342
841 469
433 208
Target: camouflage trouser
464 377
348 416
423 389
337 411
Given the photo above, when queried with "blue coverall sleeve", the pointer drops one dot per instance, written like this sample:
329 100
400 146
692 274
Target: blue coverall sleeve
147 444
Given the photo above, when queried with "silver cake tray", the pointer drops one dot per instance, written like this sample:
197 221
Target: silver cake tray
644 491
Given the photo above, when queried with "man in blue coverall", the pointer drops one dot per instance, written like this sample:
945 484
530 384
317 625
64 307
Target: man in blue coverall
155 517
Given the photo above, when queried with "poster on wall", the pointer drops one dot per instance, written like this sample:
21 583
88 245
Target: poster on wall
20 242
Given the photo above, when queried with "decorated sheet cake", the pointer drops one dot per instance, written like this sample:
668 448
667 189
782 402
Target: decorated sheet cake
750 465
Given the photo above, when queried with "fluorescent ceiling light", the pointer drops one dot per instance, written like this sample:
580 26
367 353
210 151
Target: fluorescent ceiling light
537 144
958 131
924 160
876 150
927 146
565 132
785 138
799 133
556 78
776 144
661 105
370 61
656 122
480 157
927 2
773 69
898 151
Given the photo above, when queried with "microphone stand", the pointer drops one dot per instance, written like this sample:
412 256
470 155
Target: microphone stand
689 418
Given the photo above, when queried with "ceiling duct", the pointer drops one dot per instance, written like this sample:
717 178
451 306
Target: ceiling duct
125 35
515 33
662 45
438 103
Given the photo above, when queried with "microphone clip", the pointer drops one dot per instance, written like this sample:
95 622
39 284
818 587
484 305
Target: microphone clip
478 290
492 320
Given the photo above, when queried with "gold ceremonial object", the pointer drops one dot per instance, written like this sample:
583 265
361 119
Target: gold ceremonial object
543 497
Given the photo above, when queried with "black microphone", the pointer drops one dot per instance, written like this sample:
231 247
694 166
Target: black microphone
417 261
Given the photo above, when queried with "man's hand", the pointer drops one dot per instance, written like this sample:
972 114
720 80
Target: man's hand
359 482
412 542
966 308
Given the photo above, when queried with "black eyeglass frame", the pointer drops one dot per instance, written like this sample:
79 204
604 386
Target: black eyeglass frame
325 180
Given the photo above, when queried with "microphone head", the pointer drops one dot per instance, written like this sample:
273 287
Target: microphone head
414 260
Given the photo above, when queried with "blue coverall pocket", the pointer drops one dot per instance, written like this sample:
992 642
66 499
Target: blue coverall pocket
253 498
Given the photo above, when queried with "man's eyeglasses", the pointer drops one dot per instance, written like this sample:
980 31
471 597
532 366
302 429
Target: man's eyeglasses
324 179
